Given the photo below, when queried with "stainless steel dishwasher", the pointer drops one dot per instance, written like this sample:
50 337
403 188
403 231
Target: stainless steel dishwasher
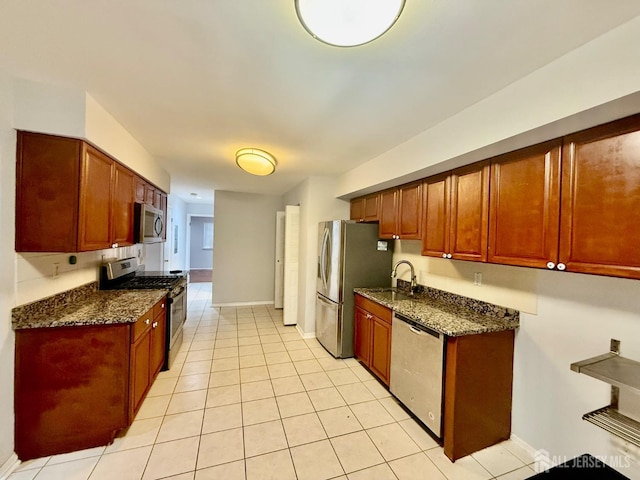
417 365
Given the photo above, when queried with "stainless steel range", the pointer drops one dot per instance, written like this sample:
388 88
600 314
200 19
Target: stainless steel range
126 274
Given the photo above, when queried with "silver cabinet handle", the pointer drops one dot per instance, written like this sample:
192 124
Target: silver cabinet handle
155 324
551 265
448 255
162 306
147 321
444 255
561 266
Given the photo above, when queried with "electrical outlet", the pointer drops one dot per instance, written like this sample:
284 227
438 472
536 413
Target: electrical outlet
56 270
477 278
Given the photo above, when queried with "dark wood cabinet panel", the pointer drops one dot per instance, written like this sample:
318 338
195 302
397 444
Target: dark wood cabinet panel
356 210
158 341
435 235
372 336
362 336
381 348
140 370
410 211
469 212
600 206
123 199
71 388
525 206
371 207
141 188
388 211
47 192
95 201
477 397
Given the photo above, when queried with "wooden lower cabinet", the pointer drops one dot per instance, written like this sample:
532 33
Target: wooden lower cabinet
77 387
372 337
477 393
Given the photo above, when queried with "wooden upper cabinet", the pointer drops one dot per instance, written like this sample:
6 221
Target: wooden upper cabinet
371 207
357 209
410 211
70 196
525 206
400 212
149 194
388 213
123 199
456 214
141 188
96 183
469 212
435 235
600 206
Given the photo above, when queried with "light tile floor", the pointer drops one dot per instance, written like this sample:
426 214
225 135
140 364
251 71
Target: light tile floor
249 399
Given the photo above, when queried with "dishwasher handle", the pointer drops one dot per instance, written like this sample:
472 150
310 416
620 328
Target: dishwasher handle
415 327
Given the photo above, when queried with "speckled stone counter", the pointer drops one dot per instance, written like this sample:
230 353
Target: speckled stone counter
85 305
448 313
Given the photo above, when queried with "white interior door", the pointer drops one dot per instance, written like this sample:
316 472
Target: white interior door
279 270
291 262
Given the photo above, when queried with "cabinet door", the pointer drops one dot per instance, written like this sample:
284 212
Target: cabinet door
157 198
388 209
381 349
122 210
371 205
149 194
469 212
410 211
600 211
435 235
357 209
94 228
158 344
362 336
141 187
140 368
525 206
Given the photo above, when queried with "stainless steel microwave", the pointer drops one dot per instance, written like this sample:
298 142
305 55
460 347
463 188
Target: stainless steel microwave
149 224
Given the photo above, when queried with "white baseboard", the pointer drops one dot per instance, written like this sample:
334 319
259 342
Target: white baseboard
304 335
241 304
8 467
541 458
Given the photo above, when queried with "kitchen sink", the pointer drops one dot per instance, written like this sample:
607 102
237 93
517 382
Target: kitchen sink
394 295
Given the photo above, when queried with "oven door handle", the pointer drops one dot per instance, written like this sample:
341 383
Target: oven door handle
182 289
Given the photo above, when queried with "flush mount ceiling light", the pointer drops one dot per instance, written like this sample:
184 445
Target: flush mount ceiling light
255 161
348 23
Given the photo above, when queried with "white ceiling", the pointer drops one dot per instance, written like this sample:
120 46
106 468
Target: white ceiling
195 80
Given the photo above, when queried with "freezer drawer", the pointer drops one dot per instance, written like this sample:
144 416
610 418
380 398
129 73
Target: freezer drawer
417 364
329 325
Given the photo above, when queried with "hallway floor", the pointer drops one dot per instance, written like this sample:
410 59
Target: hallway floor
248 398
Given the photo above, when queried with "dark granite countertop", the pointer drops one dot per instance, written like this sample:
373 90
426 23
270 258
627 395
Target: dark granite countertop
447 313
86 306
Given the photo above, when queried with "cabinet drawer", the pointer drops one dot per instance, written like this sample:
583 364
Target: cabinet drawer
141 326
374 308
160 308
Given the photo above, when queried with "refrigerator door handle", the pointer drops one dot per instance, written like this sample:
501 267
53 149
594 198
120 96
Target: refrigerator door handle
323 257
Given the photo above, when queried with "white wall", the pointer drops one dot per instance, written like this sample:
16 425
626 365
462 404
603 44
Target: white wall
317 201
244 253
593 84
8 269
200 209
199 257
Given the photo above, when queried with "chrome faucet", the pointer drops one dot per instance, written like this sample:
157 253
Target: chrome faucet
414 283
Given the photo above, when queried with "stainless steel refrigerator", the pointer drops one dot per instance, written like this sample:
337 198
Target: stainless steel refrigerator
349 256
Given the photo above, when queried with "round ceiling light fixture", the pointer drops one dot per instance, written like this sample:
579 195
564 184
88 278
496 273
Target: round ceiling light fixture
256 161
348 23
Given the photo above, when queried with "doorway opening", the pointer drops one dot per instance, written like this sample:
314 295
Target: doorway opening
200 248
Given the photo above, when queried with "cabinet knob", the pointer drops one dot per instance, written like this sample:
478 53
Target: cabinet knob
162 306
562 266
444 255
155 324
147 321
448 255
551 265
